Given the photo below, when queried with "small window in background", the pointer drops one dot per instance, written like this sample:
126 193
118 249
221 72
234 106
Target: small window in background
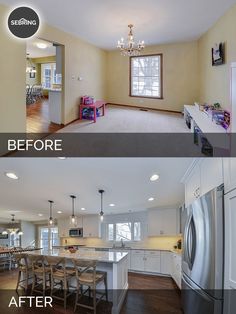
123 231
137 231
110 232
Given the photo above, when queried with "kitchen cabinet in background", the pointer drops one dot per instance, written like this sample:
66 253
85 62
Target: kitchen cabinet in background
229 165
91 226
163 222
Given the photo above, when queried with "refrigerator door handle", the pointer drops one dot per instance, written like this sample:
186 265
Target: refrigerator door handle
191 242
186 240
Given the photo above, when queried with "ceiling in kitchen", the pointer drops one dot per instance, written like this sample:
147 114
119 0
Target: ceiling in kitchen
35 52
126 183
103 22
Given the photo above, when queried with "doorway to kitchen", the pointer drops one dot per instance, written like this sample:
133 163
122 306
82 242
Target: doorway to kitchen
44 86
48 237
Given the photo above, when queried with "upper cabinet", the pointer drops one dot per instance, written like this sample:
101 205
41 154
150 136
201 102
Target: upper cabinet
229 174
163 222
91 226
205 175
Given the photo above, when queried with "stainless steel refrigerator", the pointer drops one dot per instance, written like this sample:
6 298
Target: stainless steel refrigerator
203 255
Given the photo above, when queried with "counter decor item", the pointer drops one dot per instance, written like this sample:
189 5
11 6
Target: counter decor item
72 250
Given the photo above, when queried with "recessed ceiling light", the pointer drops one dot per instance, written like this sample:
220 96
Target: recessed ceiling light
83 208
62 158
151 199
112 205
41 45
59 212
11 175
40 215
154 177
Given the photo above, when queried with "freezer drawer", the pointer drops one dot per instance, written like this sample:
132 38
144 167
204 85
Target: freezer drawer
196 301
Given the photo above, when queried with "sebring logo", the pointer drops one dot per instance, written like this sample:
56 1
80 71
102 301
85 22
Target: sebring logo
23 22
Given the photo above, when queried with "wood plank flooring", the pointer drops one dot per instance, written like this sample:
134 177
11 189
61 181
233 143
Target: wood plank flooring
146 295
38 118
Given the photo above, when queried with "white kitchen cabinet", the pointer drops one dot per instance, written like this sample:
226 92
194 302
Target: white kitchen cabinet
137 260
166 263
63 227
91 226
211 174
176 269
125 251
152 261
229 166
163 222
193 185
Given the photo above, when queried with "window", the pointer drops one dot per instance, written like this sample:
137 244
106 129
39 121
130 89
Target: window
49 76
48 237
146 76
126 231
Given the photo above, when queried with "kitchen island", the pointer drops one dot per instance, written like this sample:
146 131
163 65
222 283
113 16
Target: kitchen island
114 263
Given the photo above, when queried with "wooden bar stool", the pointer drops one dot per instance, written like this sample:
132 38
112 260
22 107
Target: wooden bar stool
60 276
41 273
86 275
24 269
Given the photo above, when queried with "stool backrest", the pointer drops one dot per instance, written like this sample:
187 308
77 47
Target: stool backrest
83 266
37 262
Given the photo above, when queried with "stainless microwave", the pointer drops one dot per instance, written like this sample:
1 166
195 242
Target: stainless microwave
76 232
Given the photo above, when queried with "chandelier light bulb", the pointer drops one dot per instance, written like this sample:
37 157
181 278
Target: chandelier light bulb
130 48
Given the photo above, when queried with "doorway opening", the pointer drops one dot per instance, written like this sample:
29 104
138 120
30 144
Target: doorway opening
44 86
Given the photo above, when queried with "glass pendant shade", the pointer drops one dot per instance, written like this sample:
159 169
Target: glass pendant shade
73 218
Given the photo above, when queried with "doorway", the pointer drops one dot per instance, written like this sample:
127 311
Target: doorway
44 86
48 238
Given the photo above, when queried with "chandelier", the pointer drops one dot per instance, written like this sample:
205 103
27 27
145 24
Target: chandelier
130 48
13 227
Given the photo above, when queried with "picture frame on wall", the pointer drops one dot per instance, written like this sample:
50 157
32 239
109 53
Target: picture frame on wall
218 54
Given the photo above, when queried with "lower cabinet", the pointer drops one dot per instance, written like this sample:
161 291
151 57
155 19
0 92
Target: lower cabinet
176 269
166 259
146 261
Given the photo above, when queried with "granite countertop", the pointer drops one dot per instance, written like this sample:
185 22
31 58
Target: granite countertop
104 257
114 248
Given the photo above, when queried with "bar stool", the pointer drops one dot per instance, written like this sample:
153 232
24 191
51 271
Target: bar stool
86 275
41 273
60 276
24 268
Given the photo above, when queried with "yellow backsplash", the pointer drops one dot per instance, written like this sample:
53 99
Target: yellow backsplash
150 243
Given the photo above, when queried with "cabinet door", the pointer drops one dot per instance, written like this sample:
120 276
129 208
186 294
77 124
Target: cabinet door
63 227
230 239
211 174
166 263
91 226
229 165
162 222
192 186
152 263
137 260
176 272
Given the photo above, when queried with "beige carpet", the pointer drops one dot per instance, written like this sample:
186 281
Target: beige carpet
130 120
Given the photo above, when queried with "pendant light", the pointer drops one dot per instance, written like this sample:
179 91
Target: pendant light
13 227
73 218
101 211
51 220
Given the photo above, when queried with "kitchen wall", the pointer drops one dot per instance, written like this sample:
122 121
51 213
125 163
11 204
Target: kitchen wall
180 77
31 81
162 242
29 233
215 81
12 80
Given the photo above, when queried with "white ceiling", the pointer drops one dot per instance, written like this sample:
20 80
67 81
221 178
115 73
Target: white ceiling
35 52
103 22
125 181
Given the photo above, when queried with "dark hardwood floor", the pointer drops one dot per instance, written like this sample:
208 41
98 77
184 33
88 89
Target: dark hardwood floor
38 118
146 295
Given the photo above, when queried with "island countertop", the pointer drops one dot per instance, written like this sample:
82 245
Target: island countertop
103 257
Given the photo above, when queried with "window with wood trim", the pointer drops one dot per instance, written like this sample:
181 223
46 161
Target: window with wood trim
146 76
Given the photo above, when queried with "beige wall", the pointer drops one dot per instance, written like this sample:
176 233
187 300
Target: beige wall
12 80
215 81
81 59
181 79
